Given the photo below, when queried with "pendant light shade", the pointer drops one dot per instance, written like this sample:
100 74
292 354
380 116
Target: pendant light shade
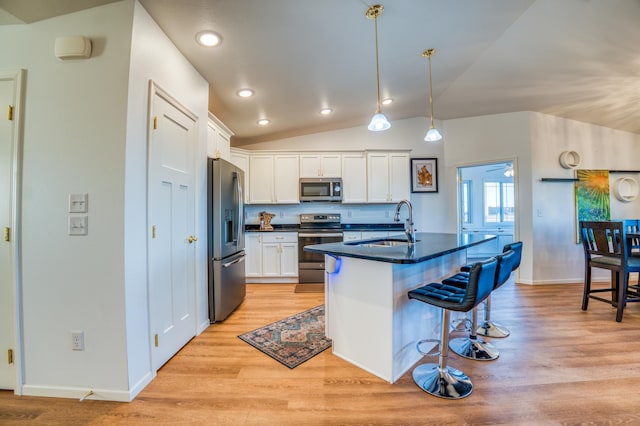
379 121
433 135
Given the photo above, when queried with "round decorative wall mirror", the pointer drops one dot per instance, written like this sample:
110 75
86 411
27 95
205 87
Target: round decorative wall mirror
569 159
625 189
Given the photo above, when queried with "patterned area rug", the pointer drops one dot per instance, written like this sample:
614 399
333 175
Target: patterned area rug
292 340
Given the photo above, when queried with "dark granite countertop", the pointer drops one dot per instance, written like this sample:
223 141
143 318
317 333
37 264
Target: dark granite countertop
428 246
373 227
294 227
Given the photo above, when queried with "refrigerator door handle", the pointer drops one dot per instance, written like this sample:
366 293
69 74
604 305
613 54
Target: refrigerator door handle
240 205
238 260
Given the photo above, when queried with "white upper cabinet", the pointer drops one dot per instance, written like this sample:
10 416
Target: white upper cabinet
367 177
241 159
273 179
261 182
218 139
286 178
399 176
320 165
354 177
388 177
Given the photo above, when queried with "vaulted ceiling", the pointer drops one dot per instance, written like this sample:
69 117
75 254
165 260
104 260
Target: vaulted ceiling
577 59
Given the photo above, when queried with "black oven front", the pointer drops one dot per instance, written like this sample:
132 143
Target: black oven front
315 229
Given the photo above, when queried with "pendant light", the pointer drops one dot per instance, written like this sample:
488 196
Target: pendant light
433 135
378 122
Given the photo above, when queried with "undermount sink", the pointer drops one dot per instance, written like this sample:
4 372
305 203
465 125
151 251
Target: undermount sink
387 242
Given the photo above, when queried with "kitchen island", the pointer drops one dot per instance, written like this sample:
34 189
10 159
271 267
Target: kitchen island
368 315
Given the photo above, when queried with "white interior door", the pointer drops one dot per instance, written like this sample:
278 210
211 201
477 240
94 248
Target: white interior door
486 204
9 140
171 221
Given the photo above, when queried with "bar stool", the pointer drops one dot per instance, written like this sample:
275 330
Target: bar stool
489 328
439 379
471 346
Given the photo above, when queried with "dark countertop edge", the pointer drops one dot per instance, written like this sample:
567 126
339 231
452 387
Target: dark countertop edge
392 258
372 227
294 227
276 228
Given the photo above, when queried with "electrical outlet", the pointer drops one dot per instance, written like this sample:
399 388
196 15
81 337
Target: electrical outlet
77 340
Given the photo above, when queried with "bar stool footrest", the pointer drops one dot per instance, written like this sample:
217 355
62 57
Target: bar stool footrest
429 353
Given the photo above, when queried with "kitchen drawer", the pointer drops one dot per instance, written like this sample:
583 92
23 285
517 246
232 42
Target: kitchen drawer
279 237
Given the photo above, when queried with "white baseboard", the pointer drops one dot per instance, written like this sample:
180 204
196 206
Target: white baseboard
562 281
202 327
88 393
277 280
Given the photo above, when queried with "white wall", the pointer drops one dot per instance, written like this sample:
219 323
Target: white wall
86 132
154 57
74 142
556 256
431 211
546 210
493 138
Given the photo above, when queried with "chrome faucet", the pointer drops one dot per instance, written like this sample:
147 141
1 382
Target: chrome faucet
408 225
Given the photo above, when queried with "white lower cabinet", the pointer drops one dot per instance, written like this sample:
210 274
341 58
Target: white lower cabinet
253 250
272 257
351 236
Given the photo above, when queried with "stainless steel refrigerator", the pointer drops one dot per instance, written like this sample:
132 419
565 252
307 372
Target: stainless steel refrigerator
225 236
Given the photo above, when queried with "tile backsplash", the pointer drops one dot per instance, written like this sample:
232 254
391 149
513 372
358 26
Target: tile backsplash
350 213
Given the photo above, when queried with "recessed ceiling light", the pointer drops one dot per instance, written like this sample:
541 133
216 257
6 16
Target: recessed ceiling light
326 111
264 121
208 38
387 101
245 93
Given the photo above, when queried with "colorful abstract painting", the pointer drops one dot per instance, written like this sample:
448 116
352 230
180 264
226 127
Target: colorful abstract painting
592 197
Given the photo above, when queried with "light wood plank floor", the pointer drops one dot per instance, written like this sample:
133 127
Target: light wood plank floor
559 366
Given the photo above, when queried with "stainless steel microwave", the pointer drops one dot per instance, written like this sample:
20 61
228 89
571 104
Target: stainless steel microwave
321 189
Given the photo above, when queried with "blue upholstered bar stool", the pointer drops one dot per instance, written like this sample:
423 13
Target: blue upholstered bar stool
489 328
439 379
471 346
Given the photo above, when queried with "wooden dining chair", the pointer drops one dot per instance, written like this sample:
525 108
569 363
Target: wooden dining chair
605 246
632 226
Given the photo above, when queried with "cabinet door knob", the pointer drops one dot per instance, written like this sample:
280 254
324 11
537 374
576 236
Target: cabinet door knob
191 239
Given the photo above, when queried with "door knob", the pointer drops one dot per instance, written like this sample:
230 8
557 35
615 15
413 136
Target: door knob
191 239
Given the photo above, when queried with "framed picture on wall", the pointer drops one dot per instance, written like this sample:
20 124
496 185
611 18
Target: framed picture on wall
424 175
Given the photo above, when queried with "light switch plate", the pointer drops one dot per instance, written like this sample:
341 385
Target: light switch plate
78 203
78 225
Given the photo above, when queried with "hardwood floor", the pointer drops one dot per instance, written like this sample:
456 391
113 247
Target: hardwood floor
559 366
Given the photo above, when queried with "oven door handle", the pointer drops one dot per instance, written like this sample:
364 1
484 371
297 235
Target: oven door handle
324 234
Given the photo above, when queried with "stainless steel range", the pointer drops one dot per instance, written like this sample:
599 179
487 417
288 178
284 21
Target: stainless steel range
316 229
